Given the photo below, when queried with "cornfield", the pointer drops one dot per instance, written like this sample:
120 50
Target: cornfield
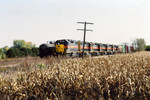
122 76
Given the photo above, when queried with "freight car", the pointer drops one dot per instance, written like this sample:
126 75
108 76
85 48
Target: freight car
73 48
125 48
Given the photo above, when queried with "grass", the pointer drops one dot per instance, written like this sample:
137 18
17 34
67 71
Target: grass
123 76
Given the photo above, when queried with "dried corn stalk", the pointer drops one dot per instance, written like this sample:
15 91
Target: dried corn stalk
123 76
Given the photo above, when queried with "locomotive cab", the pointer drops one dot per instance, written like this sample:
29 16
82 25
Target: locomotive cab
68 47
61 46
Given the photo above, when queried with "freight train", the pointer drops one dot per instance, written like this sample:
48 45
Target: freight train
73 48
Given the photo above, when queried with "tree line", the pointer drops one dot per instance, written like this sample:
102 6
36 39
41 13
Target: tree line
20 48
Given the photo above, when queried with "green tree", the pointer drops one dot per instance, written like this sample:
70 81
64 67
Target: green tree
35 51
25 50
0 56
1 53
6 48
29 45
19 43
22 54
139 44
29 51
147 48
22 43
11 53
1 50
4 56
17 52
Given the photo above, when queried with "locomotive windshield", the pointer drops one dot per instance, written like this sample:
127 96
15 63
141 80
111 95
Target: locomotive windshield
64 42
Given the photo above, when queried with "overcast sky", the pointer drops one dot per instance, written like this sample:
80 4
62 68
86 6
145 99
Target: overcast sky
39 21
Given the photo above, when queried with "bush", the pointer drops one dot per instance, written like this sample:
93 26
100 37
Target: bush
22 54
0 56
35 51
25 51
3 56
1 51
147 48
17 51
11 53
5 49
29 52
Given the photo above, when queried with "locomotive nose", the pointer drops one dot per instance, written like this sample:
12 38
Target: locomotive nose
60 48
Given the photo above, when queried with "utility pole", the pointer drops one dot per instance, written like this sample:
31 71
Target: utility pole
85 24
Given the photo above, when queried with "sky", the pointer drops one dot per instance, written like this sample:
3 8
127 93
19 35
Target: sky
39 21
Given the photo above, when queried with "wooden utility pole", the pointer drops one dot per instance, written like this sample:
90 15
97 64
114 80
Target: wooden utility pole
85 23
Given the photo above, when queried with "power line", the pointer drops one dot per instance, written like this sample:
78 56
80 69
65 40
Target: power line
85 24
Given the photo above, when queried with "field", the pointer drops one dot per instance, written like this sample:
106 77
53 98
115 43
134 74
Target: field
121 76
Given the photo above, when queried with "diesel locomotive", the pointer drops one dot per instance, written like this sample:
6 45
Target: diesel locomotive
73 48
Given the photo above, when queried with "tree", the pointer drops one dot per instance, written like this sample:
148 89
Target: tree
25 51
147 48
35 51
1 53
22 54
139 44
11 53
29 45
29 51
19 43
6 48
22 43
3 56
17 52
1 50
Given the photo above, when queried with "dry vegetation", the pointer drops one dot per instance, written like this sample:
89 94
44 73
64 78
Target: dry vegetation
123 76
